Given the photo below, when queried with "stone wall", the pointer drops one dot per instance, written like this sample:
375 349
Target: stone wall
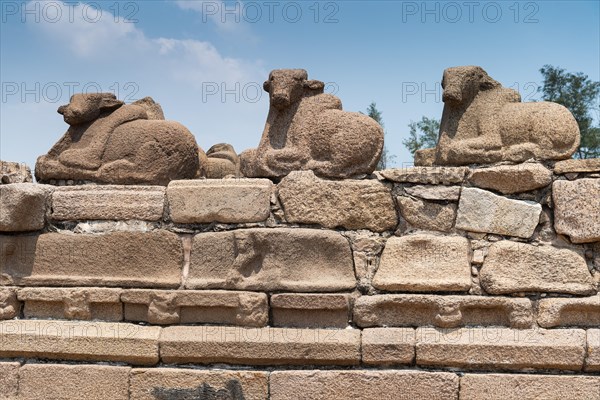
420 283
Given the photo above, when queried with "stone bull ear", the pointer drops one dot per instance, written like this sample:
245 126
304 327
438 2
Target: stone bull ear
267 86
110 104
314 85
486 83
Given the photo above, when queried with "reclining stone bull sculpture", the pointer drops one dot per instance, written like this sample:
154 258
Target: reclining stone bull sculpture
307 130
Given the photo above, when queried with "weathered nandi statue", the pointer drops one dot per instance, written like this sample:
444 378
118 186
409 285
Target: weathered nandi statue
483 122
110 142
307 130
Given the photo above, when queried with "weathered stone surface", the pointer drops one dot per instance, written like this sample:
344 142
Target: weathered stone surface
483 211
510 179
23 207
109 142
442 311
9 380
259 346
424 263
569 312
501 348
166 383
434 192
196 307
110 202
14 172
101 304
226 201
483 122
518 267
528 387
426 175
85 382
222 161
577 209
307 130
388 346
570 166
261 259
9 304
79 341
299 310
426 215
362 384
129 259
592 361
351 204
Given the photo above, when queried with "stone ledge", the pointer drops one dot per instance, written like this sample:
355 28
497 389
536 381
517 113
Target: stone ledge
425 175
310 310
582 312
388 346
259 346
569 166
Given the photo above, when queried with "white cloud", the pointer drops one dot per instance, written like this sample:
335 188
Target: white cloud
228 17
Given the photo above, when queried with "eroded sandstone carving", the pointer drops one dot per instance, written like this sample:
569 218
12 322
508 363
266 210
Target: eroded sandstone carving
484 122
306 129
110 142
222 161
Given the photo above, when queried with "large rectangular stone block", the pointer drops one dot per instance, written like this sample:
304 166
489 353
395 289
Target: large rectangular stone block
9 380
295 260
84 382
577 209
196 307
592 361
388 346
310 310
110 202
509 179
216 200
175 384
553 312
23 206
259 346
79 341
424 263
528 387
483 211
129 259
363 384
351 204
442 311
512 267
501 348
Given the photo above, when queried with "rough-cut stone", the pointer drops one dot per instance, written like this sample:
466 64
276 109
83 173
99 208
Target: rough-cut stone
442 311
109 142
363 384
79 341
483 122
351 204
14 172
570 166
225 201
222 161
84 382
179 384
510 179
128 259
9 380
577 209
259 346
426 175
23 207
388 346
9 304
101 304
501 348
299 310
569 312
512 267
424 263
483 211
272 260
427 215
592 361
528 387
451 193
307 130
196 307
110 202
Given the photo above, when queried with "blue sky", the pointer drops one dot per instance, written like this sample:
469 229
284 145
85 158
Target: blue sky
205 61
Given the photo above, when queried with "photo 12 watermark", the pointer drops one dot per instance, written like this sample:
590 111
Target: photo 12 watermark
432 92
69 11
244 92
453 12
61 92
253 12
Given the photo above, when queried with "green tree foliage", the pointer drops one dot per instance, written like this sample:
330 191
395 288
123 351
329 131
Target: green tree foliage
386 158
423 134
580 95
